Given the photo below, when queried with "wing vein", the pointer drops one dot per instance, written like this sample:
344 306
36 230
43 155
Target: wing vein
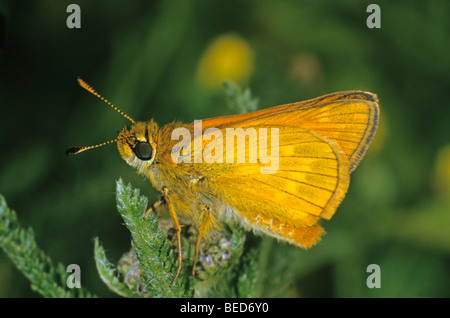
302 182
291 194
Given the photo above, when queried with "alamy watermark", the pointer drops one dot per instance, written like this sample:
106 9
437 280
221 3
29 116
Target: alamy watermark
74 279
374 19
74 19
249 145
374 279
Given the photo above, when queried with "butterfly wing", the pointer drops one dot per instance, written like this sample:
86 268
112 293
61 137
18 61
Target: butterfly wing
350 118
319 143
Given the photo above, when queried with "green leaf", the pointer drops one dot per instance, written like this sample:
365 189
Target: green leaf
20 245
109 275
150 246
239 100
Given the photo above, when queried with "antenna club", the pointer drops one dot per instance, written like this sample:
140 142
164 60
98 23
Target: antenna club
84 84
73 150
77 150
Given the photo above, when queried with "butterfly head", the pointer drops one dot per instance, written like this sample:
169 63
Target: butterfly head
137 144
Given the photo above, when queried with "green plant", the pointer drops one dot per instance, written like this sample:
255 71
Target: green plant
20 245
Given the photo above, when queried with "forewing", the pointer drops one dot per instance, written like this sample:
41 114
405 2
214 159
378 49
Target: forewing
349 118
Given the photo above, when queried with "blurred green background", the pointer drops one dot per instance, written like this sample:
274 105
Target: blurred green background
166 60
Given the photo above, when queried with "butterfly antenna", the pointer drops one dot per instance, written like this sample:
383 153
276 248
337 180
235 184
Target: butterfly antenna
77 150
91 90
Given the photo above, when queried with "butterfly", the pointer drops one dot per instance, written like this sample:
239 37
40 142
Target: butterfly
285 168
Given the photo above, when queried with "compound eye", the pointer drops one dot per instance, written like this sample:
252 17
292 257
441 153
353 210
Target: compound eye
143 150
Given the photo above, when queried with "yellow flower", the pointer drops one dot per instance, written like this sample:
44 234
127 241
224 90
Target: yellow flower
442 171
227 58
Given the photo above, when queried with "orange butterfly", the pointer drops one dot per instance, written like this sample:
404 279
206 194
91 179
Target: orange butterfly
314 146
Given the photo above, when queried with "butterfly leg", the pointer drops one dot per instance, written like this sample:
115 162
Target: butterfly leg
205 222
154 207
173 215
